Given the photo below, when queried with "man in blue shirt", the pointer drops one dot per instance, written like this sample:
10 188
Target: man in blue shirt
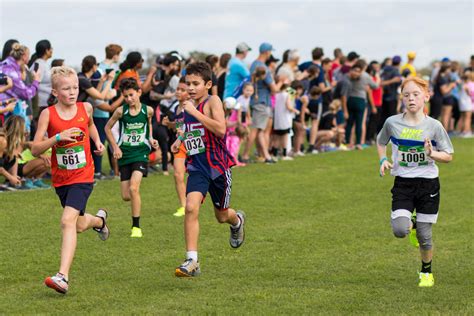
238 71
260 103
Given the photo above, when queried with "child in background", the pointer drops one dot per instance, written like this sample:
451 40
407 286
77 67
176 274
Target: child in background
179 162
328 129
315 108
466 103
283 120
233 122
244 101
299 128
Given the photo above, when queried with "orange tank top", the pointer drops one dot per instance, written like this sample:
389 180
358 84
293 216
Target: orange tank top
71 162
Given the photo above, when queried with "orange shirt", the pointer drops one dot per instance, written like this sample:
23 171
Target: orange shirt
71 162
129 73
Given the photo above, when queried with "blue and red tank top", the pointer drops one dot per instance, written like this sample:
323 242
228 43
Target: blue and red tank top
214 160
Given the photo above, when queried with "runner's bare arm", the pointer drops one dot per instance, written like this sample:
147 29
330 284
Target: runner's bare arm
110 123
214 119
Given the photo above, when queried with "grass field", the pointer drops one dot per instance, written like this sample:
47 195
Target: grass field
318 242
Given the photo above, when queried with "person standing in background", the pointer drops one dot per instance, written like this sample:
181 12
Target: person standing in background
38 62
408 70
237 70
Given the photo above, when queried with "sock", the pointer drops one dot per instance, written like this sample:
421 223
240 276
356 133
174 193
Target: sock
284 152
310 147
238 224
135 221
192 255
426 267
274 151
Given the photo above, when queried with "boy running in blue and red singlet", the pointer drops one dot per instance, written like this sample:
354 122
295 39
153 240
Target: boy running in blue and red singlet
208 164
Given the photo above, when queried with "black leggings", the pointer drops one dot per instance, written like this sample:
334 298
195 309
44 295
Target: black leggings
356 107
160 133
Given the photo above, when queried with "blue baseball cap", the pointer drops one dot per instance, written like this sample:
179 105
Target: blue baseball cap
265 47
445 60
396 59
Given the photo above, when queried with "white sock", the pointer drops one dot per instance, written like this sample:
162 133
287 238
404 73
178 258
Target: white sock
238 224
192 255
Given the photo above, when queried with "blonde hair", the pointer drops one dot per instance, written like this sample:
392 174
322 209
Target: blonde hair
15 134
335 105
18 51
60 72
421 83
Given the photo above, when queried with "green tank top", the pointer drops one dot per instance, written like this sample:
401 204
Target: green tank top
134 133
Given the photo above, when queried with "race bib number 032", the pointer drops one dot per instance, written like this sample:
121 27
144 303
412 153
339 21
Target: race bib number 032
71 158
194 143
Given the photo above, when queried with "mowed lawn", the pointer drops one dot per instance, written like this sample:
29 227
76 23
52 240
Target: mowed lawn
318 242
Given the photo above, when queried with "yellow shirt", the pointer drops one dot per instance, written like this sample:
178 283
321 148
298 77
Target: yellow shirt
410 67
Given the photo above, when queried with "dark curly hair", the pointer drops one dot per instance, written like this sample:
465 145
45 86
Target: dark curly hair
129 83
200 69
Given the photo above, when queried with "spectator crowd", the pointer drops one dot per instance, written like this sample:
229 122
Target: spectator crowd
276 109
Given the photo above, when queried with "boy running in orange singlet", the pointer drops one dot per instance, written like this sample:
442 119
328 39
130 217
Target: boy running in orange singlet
70 127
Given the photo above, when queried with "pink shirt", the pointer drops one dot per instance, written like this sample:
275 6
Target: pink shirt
470 86
233 117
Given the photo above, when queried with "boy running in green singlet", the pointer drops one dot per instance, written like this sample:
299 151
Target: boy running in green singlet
133 146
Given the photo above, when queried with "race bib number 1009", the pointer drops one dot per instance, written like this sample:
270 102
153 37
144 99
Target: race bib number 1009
412 156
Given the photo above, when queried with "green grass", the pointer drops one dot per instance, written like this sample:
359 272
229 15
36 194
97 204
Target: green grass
318 242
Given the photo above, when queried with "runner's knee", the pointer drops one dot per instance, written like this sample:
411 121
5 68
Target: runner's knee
401 226
424 234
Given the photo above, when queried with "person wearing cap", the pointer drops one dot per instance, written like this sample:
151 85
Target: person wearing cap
408 70
261 104
237 70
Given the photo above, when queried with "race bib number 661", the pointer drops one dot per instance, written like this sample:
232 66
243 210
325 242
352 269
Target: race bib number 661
71 158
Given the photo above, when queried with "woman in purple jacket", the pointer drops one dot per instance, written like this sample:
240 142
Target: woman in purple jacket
14 67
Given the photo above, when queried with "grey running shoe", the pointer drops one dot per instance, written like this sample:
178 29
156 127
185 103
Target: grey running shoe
58 283
189 268
103 232
237 235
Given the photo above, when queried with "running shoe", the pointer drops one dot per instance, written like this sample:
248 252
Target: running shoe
28 185
237 235
136 232
103 232
426 280
287 158
58 283
189 268
179 212
40 184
